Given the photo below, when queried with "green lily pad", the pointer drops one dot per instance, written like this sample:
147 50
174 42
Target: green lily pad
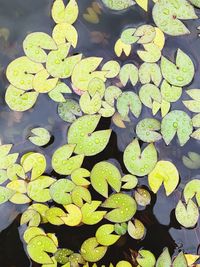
32 232
57 93
146 130
90 215
193 105
150 72
179 74
30 217
90 105
192 161
131 181
41 138
3 176
106 110
20 72
14 171
80 194
123 207
88 142
192 189
63 163
118 5
104 174
149 93
19 100
96 85
62 255
121 228
128 37
63 32
36 163
129 72
38 190
167 16
68 110
112 67
142 197
85 71
151 53
136 230
164 172
41 209
59 65
123 264
129 101
179 122
39 246
104 235
5 194
146 34
170 93
180 260
74 215
35 45
146 258
139 162
91 251
65 14
60 190
54 214
187 215
164 259
78 176
6 159
111 94
42 83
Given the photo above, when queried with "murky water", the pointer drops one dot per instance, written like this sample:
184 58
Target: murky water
22 17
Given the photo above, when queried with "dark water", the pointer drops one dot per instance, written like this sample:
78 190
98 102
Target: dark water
22 17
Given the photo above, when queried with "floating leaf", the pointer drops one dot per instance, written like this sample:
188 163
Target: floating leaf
6 159
151 53
80 194
128 37
62 255
149 93
144 5
180 260
60 190
142 197
164 259
159 39
123 264
112 67
106 110
136 230
111 94
74 215
192 161
30 217
36 163
146 258
170 93
5 194
88 142
164 172
118 5
41 138
14 171
167 16
54 264
124 207
150 72
192 189
191 258
104 174
59 65
19 100
131 181
104 235
68 110
41 209
90 215
20 72
129 71
62 14
146 130
187 216
35 45
3 176
179 122
85 71
32 232
53 216
57 93
164 106
78 177
129 101
63 32
39 246
121 47
90 105
96 85
63 163
42 84
193 105
91 251
179 74
117 120
139 162
38 189
146 33
121 228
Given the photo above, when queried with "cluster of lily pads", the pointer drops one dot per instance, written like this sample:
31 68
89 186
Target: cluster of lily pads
153 85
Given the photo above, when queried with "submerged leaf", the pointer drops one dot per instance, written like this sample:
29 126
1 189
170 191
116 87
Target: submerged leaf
192 161
118 5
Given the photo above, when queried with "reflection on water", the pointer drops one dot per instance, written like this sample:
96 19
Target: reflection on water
21 17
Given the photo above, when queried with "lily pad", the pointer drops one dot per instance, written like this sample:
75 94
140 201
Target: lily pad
146 258
164 259
139 162
32 232
78 176
88 142
118 5
129 72
30 217
150 72
41 138
146 130
192 189
90 105
42 84
142 197
104 174
136 230
5 194
65 14
121 47
54 214
131 181
57 93
68 110
151 53
60 190
90 214
146 34
111 94
112 67
128 37
63 32
104 235
80 194
74 215
149 93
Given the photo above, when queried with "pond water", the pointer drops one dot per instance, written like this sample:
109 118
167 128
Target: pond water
22 17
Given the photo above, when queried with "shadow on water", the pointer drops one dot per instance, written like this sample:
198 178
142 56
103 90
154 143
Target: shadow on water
22 17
